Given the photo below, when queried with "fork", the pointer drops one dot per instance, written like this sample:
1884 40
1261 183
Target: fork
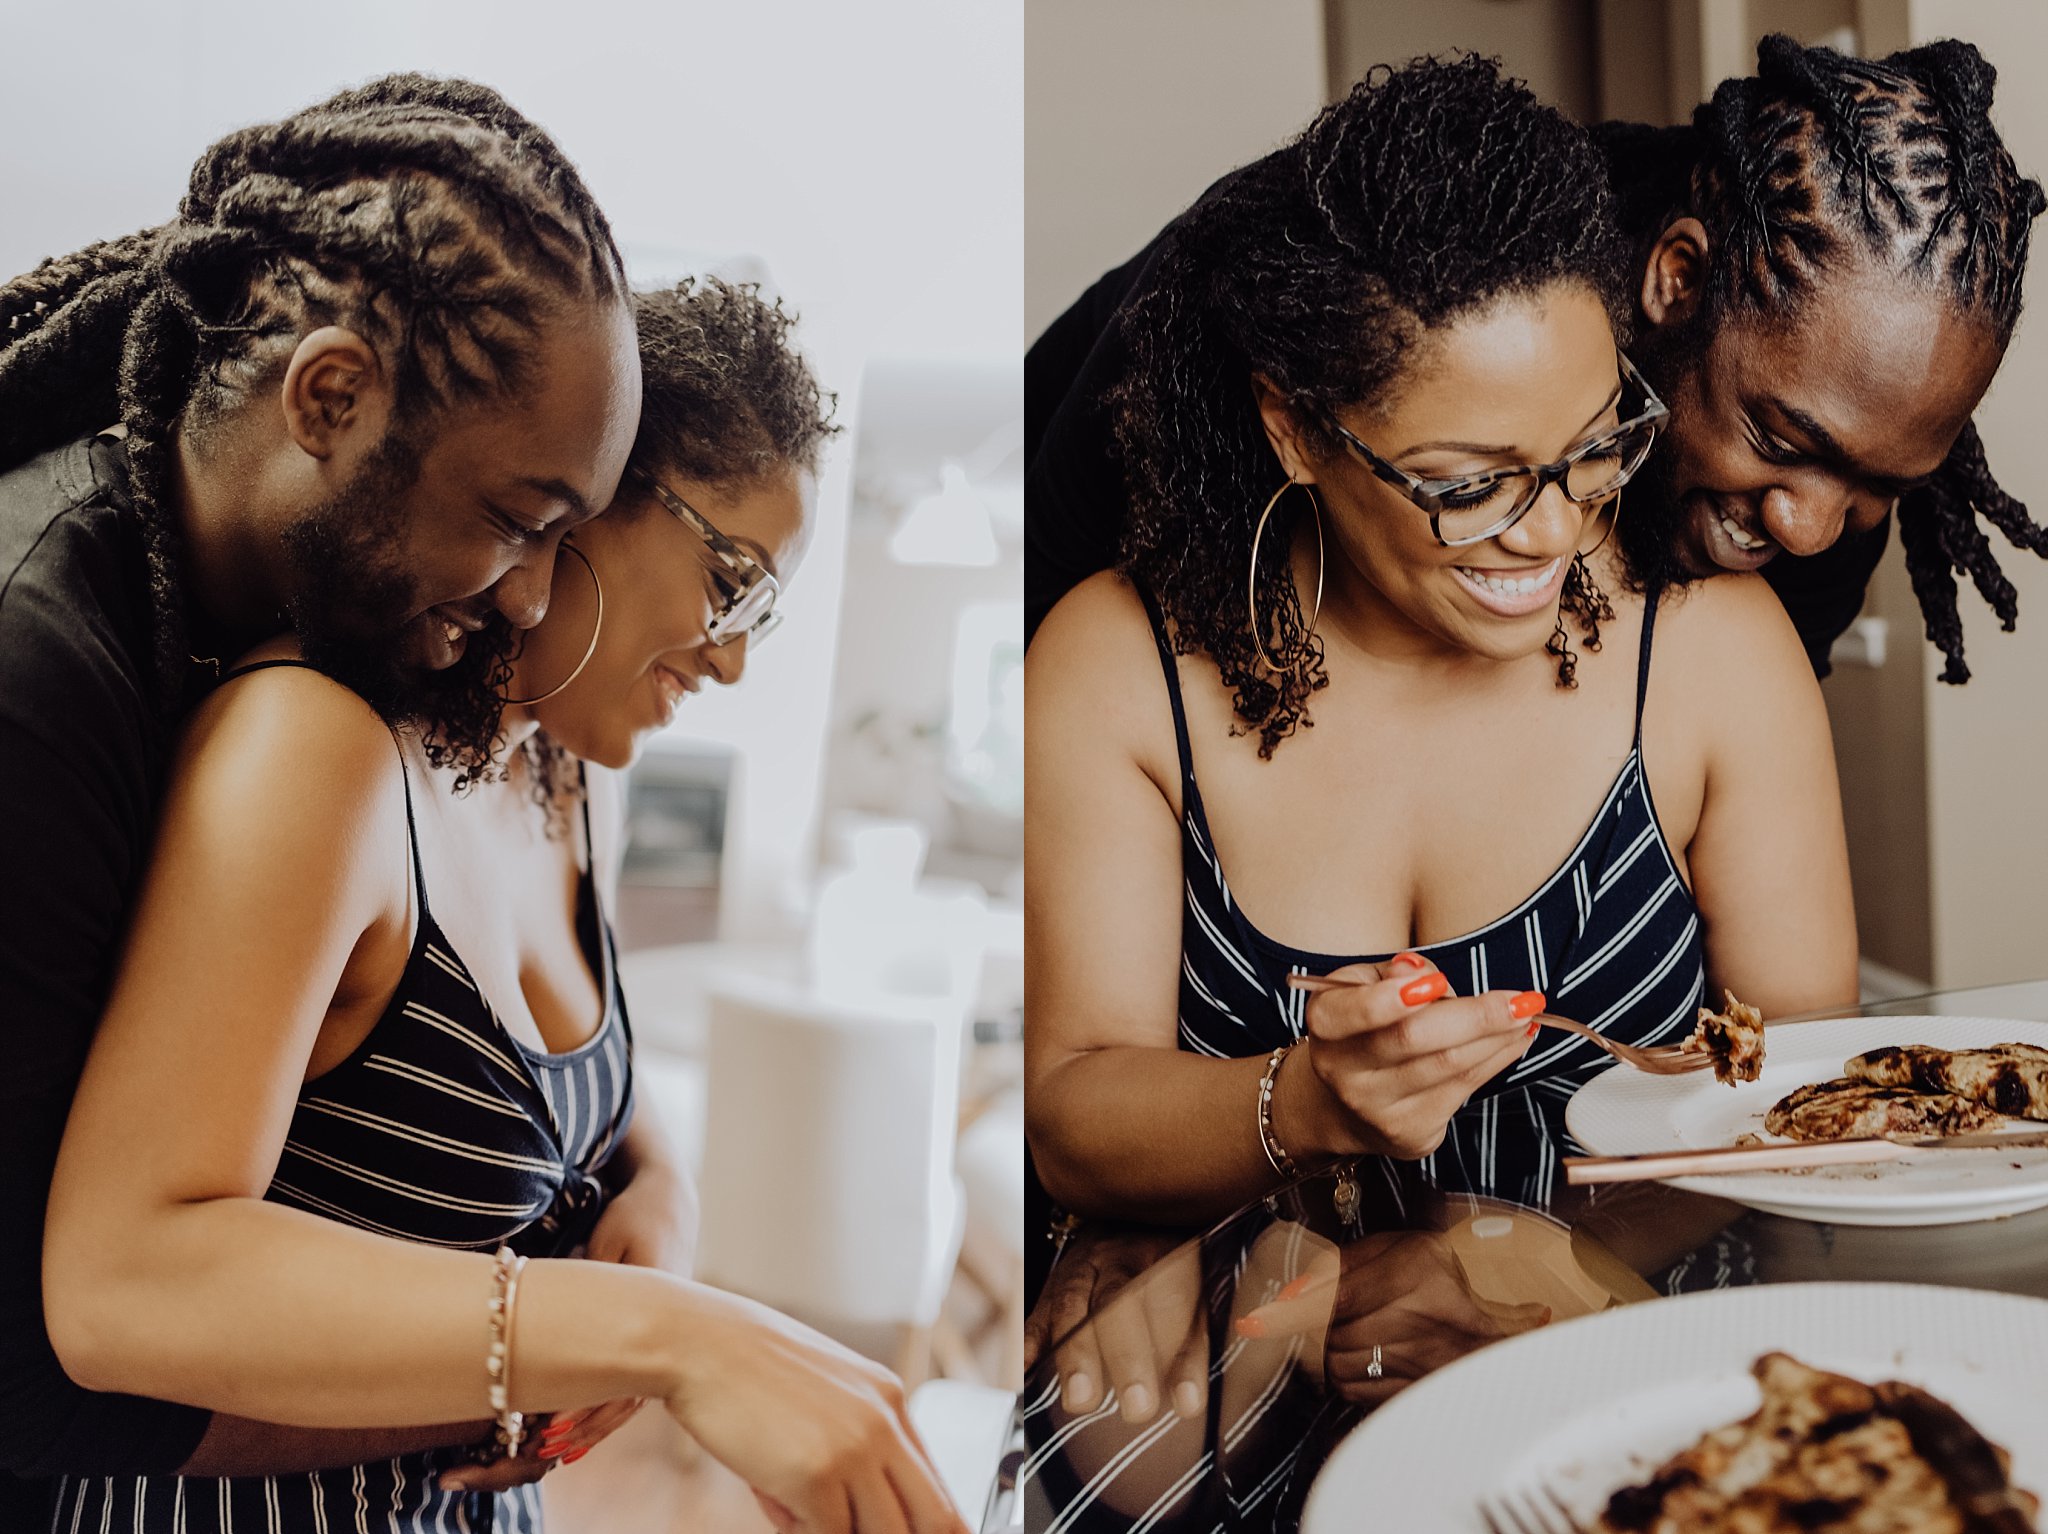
1658 1060
1510 1513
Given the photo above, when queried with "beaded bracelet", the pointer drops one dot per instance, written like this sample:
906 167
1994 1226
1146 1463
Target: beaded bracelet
1276 1156
498 1363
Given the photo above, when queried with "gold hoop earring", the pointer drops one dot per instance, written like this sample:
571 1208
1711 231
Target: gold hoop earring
589 649
1252 586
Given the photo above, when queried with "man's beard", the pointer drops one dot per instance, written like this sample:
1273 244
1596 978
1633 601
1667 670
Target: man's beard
1652 521
354 609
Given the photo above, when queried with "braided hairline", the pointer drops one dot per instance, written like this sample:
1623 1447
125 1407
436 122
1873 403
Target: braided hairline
427 213
1949 205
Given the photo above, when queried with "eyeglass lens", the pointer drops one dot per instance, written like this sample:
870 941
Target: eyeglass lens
750 611
1493 507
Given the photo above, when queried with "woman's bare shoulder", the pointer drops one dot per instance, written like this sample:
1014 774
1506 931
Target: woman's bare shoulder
1726 622
1094 665
287 742
1726 647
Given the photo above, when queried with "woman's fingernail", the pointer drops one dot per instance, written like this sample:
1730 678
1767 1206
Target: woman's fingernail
1080 1391
550 1450
1138 1403
1428 988
1294 1288
571 1458
558 1427
1534 1024
1251 1326
1526 1004
1187 1398
1412 960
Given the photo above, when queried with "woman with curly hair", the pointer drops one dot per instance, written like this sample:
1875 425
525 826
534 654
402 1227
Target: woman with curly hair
357 1006
1825 270
1373 691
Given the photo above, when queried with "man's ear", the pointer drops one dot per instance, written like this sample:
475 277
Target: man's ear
1283 431
336 394
1675 277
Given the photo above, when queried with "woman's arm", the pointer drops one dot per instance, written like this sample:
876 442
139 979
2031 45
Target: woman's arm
166 1272
279 848
1122 1122
1769 862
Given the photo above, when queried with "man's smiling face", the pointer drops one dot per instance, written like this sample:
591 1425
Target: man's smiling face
1789 431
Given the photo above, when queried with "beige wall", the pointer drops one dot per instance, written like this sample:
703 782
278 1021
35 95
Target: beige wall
1987 743
1132 107
1549 43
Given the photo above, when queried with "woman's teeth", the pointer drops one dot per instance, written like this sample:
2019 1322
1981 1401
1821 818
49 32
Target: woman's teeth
1738 537
1520 586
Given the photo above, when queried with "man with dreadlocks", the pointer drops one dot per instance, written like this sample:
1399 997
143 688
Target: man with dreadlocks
1831 256
1830 259
359 387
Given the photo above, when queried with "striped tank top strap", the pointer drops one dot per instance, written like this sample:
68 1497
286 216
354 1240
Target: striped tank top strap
1172 669
1643 659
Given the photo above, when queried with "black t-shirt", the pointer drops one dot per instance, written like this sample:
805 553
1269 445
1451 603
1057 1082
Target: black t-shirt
83 754
1075 495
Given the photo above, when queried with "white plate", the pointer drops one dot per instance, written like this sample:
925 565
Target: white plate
1625 1112
1588 1406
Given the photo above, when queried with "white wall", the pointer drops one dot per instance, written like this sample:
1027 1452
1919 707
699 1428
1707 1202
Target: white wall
1134 106
868 156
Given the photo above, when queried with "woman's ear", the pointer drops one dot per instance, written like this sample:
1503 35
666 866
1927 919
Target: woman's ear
1283 431
1675 276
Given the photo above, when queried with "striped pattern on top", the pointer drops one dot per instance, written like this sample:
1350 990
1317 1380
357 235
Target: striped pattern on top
442 1128
1611 938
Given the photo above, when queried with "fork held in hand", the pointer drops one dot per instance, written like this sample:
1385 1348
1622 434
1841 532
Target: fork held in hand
1662 1060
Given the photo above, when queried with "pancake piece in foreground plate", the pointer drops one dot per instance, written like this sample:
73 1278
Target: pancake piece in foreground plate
2010 1078
1823 1453
1848 1109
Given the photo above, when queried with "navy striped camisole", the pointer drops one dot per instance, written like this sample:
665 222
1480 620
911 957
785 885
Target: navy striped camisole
441 1127
1611 938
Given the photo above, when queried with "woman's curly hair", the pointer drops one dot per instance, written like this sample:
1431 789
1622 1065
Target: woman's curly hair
1819 159
725 399
1427 192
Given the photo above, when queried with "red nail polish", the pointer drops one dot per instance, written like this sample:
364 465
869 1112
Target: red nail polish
1534 1025
570 1459
1251 1326
1411 960
558 1427
1294 1288
1526 1004
549 1451
1428 988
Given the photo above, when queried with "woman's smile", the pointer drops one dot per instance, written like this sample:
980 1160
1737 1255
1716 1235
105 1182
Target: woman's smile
1513 591
670 688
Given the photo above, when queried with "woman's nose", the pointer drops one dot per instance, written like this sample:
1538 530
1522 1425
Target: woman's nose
727 662
1551 526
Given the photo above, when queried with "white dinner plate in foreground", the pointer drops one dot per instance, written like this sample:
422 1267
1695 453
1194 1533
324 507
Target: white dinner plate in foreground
1623 1112
1587 1406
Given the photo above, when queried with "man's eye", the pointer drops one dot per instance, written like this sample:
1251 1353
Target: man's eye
1775 449
516 531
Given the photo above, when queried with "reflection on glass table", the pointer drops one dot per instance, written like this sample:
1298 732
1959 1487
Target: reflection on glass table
1184 1381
